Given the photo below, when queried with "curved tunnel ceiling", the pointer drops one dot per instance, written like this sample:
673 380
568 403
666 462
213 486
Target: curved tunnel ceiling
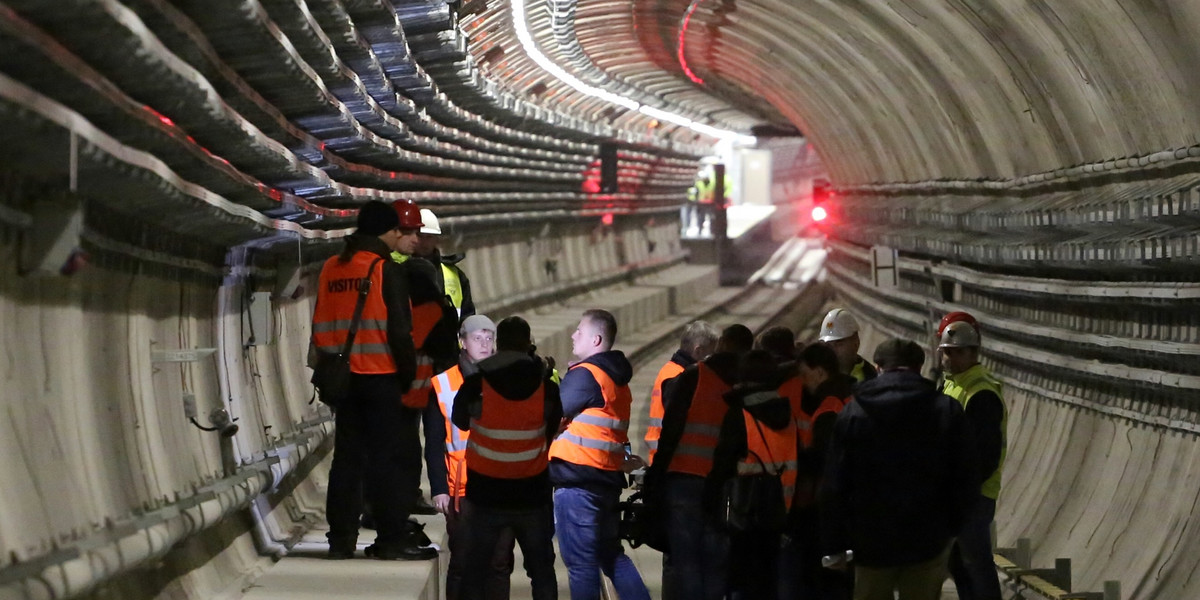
917 90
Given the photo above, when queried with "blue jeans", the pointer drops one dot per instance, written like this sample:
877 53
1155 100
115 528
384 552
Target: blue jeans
971 562
587 527
699 548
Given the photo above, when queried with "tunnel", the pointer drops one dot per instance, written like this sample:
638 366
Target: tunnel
175 174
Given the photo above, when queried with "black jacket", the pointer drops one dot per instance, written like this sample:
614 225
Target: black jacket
515 376
395 298
901 473
425 285
774 413
580 391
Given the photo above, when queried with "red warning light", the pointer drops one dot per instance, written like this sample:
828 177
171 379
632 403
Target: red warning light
819 214
607 219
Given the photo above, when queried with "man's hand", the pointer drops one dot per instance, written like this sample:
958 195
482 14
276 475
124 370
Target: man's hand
441 502
632 463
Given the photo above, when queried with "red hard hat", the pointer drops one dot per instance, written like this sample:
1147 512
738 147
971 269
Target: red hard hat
409 213
955 317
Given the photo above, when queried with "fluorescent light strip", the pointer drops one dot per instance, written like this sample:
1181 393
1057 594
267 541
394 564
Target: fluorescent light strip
526 39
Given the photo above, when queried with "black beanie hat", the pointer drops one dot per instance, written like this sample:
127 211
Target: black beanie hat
376 218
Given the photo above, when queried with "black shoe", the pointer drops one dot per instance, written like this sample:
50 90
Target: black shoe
423 507
400 552
414 534
340 553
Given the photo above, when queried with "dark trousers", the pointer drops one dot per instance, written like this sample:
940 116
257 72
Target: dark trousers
533 529
971 563
801 576
497 579
375 450
699 548
753 566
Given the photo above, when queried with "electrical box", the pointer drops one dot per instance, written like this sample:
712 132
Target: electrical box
884 266
256 319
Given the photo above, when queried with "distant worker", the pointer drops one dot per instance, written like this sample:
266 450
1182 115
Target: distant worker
699 339
697 563
513 411
588 462
900 478
450 277
687 213
758 438
376 449
840 331
445 459
980 394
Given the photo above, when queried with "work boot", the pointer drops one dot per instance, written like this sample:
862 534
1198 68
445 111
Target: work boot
341 550
400 552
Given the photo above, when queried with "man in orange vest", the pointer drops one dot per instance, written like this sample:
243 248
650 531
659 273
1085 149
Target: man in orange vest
698 341
695 565
512 410
446 454
826 390
377 443
900 479
588 462
758 436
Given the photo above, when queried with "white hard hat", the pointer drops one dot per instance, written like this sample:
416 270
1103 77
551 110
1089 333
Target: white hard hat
839 324
959 334
429 223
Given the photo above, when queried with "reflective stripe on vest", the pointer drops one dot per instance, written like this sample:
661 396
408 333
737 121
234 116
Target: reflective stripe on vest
337 296
694 454
596 437
963 387
654 429
774 450
446 386
508 440
417 395
452 287
831 404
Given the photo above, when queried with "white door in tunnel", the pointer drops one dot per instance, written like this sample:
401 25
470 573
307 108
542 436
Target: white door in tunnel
754 186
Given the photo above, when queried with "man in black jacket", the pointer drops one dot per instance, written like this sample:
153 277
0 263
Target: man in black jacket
508 483
900 476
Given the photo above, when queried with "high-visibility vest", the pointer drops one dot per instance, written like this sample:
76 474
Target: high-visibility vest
336 299
694 453
705 191
424 317
446 386
859 370
793 390
830 404
452 287
771 451
963 387
596 437
508 440
654 428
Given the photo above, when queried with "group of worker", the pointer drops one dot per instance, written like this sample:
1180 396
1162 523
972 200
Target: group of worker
881 472
515 454
873 459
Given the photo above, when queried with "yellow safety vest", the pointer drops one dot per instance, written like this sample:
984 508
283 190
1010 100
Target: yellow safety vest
963 387
452 287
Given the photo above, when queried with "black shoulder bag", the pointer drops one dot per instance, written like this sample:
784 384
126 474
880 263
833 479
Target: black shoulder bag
754 503
331 375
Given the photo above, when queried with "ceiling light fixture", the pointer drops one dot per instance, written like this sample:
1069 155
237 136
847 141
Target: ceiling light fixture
526 39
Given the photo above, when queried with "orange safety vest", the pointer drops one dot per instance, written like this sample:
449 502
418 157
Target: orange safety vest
771 451
425 317
508 441
793 390
337 296
596 437
654 429
831 404
446 386
694 454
